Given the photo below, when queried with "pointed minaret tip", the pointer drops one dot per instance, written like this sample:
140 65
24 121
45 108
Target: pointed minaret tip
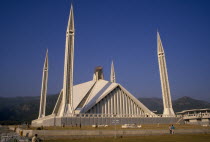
70 27
47 53
158 35
112 74
46 61
72 6
159 44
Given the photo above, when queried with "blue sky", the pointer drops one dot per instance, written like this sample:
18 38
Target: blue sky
106 30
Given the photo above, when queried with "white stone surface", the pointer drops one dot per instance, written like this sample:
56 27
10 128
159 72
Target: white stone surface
42 107
168 110
80 91
67 101
100 89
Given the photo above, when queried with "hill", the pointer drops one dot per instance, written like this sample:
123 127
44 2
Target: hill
25 109
186 103
154 104
183 103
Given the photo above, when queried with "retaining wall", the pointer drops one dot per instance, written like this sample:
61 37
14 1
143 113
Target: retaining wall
84 121
62 134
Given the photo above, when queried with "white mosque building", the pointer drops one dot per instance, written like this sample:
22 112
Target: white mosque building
98 101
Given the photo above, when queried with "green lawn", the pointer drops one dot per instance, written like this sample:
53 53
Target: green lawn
162 138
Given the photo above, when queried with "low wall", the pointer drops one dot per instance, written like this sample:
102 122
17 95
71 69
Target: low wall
21 131
84 121
61 134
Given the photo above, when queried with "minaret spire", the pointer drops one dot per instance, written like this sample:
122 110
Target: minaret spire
44 88
112 75
168 110
67 101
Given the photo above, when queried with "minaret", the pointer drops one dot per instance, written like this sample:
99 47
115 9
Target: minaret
67 101
112 75
168 110
44 88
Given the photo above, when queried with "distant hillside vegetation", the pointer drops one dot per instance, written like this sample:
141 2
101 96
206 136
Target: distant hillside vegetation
25 109
183 103
154 104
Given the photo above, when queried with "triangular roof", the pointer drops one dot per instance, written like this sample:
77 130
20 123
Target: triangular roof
98 91
79 92
91 92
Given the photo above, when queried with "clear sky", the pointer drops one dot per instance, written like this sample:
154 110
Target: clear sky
106 30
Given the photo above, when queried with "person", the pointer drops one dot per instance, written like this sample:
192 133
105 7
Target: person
172 129
28 125
21 133
35 138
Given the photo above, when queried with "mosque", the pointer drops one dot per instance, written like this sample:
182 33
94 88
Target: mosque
99 101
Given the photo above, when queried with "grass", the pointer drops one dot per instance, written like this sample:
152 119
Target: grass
144 127
160 138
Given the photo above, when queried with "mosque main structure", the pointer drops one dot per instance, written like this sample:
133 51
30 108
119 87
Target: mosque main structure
97 101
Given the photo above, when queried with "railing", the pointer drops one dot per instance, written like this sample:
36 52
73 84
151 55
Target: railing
194 116
120 115
89 115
